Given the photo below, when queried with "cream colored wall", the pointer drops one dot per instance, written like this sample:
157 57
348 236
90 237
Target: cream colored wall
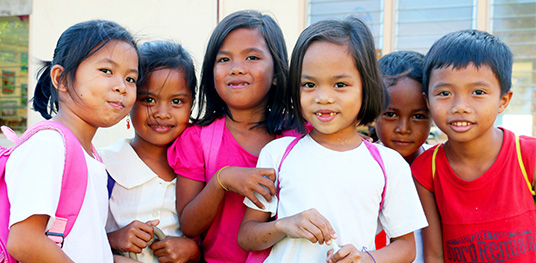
186 21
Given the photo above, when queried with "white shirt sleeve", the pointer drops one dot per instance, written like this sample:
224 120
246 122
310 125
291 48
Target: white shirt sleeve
34 173
402 211
270 157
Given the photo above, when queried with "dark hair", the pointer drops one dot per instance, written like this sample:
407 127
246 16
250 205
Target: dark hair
211 106
157 55
75 44
401 64
355 34
458 49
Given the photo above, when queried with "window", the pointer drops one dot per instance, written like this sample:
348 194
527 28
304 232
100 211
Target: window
514 22
370 11
419 23
14 32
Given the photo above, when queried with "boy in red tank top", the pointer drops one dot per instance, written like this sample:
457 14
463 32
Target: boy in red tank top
476 198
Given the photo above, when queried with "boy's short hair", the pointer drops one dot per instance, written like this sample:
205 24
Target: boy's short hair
458 49
401 64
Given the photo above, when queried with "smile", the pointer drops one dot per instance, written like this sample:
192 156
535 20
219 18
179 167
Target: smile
461 123
324 114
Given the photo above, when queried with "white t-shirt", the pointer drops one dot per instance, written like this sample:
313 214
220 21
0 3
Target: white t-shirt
138 194
33 176
345 187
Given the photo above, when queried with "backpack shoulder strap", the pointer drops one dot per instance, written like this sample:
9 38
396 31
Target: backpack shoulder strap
74 180
523 170
378 158
433 160
211 137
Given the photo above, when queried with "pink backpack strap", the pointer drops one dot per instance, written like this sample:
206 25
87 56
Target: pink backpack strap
74 181
378 158
211 137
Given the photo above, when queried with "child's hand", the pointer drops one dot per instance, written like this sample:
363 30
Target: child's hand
132 237
309 224
347 253
246 181
176 249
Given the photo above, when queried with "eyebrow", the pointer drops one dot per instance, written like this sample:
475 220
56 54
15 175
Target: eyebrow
144 92
116 64
342 76
247 50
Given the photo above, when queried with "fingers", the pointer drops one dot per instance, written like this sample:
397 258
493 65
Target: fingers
347 253
154 222
247 181
310 225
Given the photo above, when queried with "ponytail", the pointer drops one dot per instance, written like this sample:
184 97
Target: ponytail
45 99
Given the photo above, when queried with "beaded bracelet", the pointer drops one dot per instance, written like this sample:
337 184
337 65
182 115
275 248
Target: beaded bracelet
218 176
365 250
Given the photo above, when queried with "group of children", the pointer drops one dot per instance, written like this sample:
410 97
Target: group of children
270 166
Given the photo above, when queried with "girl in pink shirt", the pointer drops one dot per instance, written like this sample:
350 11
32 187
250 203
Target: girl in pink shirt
243 106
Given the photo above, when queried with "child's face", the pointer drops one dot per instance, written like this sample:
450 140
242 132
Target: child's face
244 69
105 85
405 125
331 90
162 109
465 102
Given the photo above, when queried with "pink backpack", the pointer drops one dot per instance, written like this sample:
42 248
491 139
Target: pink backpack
211 137
73 185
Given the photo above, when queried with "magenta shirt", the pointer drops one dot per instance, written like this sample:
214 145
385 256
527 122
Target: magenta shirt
186 158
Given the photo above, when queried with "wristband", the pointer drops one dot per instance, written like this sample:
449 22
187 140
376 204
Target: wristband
365 250
218 177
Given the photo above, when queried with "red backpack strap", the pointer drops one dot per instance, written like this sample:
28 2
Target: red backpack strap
74 181
378 158
211 137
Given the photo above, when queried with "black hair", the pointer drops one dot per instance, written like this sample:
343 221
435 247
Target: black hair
458 49
356 35
157 55
211 106
401 64
75 44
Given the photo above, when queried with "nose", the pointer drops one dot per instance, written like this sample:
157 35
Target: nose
324 96
161 111
460 105
120 86
237 68
403 127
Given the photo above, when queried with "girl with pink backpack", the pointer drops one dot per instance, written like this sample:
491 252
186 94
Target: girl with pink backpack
90 83
335 191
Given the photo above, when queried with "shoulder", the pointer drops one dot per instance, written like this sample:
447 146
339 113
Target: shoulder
390 156
280 142
115 150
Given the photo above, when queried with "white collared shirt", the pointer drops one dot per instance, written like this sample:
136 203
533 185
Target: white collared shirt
138 193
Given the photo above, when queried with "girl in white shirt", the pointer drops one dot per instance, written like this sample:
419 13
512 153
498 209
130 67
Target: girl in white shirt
143 195
90 83
330 186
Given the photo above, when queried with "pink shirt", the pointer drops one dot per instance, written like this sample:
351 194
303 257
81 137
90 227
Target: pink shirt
186 158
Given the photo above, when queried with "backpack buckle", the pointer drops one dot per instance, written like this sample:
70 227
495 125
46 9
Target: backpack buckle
58 238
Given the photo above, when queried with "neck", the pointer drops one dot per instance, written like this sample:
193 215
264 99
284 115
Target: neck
146 150
245 118
83 131
342 140
410 158
486 147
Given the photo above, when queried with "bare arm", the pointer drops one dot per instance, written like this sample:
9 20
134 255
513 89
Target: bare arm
257 234
198 204
28 243
432 237
401 249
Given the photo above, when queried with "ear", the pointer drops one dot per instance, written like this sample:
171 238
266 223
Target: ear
274 82
55 76
505 100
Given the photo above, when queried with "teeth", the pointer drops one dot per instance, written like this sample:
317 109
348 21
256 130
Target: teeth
330 114
461 123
